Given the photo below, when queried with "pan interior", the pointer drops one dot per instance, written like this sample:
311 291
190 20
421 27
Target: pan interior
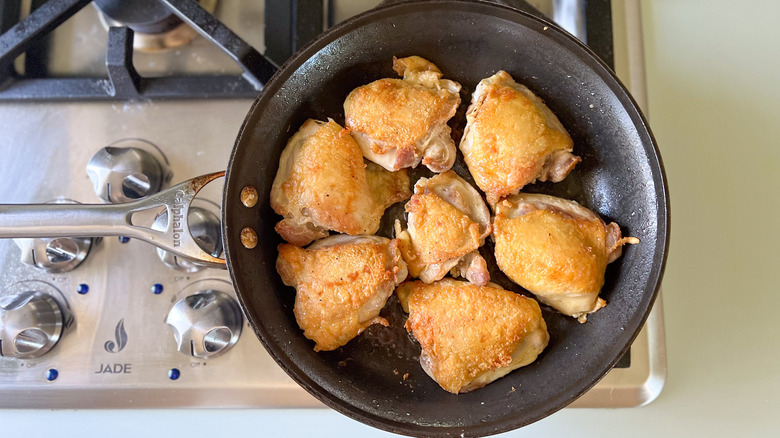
376 378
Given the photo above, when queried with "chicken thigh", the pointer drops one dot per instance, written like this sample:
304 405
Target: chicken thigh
472 335
400 122
342 283
447 223
556 249
512 139
323 184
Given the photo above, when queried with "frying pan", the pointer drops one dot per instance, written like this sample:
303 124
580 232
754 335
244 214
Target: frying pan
376 378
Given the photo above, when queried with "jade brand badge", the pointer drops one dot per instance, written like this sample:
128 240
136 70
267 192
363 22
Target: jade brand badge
120 339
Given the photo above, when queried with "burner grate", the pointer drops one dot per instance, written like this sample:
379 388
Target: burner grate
289 25
123 81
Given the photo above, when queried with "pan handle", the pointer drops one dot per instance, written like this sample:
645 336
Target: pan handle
129 219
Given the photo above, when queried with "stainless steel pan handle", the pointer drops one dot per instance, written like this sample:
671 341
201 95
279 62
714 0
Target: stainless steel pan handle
129 219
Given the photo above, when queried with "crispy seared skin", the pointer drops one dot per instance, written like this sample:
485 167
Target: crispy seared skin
397 113
443 231
471 335
556 249
512 139
385 187
342 283
400 122
323 184
447 222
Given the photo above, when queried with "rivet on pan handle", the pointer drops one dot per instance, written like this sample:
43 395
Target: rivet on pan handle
80 220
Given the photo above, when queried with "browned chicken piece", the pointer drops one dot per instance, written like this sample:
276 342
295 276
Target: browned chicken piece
447 223
556 249
472 335
512 139
400 122
342 283
323 184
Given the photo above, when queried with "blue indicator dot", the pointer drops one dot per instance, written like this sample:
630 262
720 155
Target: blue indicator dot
82 288
124 239
173 373
51 374
157 289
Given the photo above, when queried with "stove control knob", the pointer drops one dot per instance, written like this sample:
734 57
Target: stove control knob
54 255
30 324
126 174
205 229
206 323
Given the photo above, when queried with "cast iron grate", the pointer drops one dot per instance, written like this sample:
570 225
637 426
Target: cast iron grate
303 20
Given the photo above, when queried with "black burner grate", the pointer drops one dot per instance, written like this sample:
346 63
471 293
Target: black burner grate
123 82
290 24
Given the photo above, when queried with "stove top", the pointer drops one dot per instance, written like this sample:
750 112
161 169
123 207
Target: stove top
123 340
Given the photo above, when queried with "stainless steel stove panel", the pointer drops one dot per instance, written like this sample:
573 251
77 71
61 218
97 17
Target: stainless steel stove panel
102 363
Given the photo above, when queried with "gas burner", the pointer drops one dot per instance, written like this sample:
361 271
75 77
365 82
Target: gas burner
156 28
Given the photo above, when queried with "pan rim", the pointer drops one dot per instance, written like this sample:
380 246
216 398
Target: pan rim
584 53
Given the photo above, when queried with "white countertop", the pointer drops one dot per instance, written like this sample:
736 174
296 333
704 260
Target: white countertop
713 71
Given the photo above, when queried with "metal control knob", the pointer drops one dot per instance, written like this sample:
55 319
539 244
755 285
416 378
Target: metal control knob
60 254
30 324
54 255
206 323
205 229
126 174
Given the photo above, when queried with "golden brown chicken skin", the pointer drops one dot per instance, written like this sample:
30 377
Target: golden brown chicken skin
512 139
472 335
399 123
323 184
556 249
447 222
342 283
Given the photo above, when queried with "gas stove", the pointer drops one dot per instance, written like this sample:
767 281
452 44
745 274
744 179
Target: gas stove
115 105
